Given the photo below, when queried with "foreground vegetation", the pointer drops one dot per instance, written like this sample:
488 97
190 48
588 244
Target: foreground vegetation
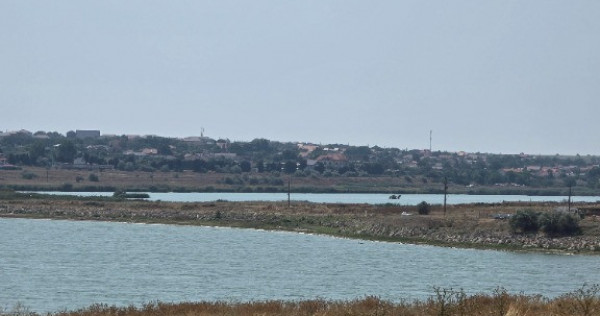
445 302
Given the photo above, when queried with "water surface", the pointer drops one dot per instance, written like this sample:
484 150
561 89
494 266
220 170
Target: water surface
51 265
369 198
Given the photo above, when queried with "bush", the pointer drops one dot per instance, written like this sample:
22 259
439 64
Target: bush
525 221
28 175
276 181
559 224
147 168
330 173
124 195
93 177
423 208
551 223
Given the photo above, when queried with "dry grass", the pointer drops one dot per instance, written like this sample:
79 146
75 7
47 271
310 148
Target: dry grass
50 179
445 302
188 180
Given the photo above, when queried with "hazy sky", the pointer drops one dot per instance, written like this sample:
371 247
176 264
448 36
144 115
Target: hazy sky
499 76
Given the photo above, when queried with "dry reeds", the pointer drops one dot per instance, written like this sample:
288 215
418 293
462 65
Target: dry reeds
445 302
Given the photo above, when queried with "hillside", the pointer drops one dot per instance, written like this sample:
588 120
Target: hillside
88 161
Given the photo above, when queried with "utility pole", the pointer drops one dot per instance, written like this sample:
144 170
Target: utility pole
570 192
289 191
445 193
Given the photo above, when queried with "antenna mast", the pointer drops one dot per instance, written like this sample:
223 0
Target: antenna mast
430 133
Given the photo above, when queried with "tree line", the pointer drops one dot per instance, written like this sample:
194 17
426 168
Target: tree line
47 149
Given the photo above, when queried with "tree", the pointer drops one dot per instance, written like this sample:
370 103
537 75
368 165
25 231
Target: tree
289 166
360 153
260 165
423 208
525 221
373 168
260 145
559 224
66 152
246 166
289 155
570 182
302 164
320 167
36 151
164 149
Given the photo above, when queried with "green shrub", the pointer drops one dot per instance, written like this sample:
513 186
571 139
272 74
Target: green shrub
423 208
93 177
559 224
229 180
276 181
124 195
146 169
28 175
525 221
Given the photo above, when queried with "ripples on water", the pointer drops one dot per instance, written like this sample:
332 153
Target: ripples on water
55 265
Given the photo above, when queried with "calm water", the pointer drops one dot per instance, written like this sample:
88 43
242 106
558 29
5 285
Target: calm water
54 265
405 199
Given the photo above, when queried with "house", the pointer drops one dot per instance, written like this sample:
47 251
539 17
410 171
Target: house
202 140
80 161
307 147
515 170
223 144
208 156
81 134
143 152
438 166
335 159
22 132
149 151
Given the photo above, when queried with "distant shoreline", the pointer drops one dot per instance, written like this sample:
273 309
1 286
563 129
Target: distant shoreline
42 179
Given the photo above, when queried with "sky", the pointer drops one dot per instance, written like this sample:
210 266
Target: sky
498 76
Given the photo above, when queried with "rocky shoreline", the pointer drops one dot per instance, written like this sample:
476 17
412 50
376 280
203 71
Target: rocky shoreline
478 238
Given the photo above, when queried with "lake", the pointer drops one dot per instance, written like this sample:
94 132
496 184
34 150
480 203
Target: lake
405 199
51 265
